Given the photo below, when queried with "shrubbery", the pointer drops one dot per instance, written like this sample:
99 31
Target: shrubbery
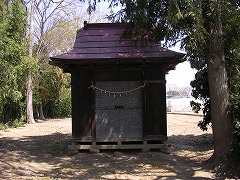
59 108
14 63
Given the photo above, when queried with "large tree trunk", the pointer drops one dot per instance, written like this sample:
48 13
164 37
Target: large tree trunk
30 118
222 123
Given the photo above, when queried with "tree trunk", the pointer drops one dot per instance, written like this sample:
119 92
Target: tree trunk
40 112
222 123
36 115
31 30
30 118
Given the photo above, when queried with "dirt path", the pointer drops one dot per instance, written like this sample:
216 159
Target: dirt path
39 152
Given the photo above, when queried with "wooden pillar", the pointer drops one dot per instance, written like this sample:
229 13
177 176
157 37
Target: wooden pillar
155 121
81 104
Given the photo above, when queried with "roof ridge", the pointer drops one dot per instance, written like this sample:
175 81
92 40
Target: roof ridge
102 25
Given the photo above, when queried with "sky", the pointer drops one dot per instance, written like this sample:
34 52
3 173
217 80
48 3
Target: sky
182 76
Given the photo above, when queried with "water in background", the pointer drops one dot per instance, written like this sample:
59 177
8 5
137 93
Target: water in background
179 104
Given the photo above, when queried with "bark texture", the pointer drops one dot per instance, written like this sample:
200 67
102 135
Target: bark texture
30 118
40 112
222 123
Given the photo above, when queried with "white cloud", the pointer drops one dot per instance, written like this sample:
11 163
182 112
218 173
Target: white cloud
182 76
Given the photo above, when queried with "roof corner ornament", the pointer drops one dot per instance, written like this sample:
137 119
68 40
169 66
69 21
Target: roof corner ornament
85 25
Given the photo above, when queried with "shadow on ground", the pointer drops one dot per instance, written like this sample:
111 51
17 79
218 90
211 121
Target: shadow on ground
47 156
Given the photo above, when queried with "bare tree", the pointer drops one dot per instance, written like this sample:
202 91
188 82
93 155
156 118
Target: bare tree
55 24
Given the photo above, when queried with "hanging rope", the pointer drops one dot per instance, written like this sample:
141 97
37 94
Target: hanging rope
120 93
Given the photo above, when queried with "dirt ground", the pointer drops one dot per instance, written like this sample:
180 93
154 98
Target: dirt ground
39 151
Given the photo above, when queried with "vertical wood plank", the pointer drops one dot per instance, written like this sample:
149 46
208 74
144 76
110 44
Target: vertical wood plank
156 120
81 104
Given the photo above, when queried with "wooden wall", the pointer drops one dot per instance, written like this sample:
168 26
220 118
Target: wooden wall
154 98
155 122
82 103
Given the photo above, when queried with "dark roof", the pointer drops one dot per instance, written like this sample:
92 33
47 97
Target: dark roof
102 42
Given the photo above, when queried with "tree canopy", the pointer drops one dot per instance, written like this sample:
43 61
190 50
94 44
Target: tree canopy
14 63
53 31
55 26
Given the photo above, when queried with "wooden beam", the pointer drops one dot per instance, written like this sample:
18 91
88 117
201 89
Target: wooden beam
156 81
126 146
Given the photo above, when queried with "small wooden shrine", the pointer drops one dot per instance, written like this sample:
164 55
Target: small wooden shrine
118 89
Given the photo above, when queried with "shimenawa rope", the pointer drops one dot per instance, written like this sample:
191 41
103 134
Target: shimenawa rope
120 93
